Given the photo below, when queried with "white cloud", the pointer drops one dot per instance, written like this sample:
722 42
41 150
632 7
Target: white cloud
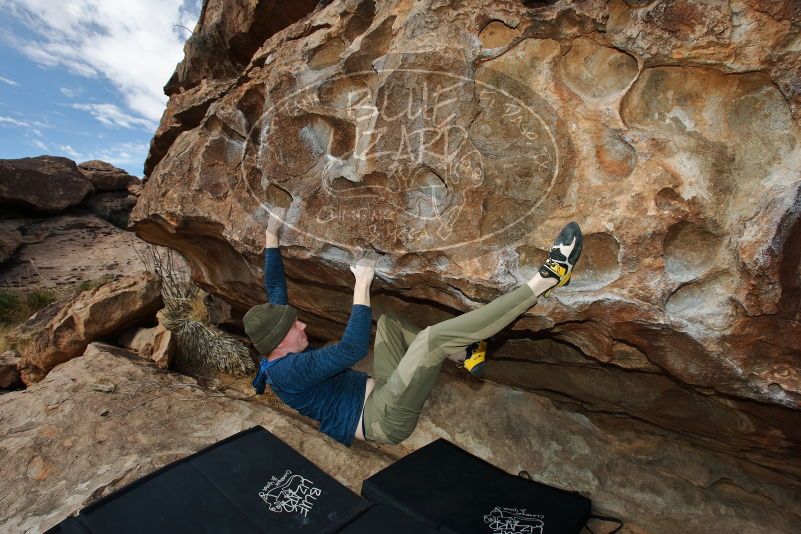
135 45
111 115
13 122
33 125
74 154
8 81
70 93
31 129
121 154
124 153
40 144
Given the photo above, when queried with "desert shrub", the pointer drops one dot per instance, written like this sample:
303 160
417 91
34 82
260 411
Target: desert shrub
87 285
202 346
16 305
9 302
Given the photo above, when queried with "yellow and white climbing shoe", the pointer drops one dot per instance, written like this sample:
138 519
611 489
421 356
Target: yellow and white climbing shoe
475 356
564 254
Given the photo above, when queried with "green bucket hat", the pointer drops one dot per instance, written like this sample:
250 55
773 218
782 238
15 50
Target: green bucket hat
267 324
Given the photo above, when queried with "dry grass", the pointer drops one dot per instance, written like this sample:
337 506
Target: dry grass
177 290
18 304
205 347
197 309
4 343
88 285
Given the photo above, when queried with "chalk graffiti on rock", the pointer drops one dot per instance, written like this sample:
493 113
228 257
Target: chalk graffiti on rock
420 159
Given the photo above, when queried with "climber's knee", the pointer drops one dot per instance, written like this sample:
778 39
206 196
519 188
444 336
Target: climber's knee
387 319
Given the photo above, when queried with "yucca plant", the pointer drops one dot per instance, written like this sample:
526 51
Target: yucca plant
200 345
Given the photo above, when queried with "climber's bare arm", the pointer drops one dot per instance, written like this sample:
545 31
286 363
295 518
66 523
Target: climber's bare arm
273 225
363 271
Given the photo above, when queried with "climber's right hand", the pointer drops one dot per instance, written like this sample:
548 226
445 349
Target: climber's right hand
364 270
274 224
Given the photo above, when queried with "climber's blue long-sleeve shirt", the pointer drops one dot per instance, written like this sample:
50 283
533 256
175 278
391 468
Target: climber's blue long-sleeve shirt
319 383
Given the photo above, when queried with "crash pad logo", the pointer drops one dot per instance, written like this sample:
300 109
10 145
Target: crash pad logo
503 520
290 493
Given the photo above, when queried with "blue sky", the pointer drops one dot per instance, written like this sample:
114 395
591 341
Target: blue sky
83 78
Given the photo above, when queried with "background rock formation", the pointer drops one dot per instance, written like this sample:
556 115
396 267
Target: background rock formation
105 176
50 184
53 222
44 184
456 139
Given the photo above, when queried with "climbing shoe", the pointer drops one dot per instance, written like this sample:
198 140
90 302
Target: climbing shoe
564 254
475 355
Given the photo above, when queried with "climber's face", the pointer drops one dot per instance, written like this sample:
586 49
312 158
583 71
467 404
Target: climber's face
296 339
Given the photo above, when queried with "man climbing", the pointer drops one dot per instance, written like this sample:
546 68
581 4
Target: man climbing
320 384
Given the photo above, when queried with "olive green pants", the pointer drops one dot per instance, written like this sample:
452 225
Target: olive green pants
407 361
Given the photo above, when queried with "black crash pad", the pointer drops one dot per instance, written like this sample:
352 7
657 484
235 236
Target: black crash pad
251 482
457 492
382 519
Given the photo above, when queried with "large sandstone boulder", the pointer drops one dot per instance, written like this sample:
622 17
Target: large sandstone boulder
62 330
455 139
106 177
105 419
44 184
